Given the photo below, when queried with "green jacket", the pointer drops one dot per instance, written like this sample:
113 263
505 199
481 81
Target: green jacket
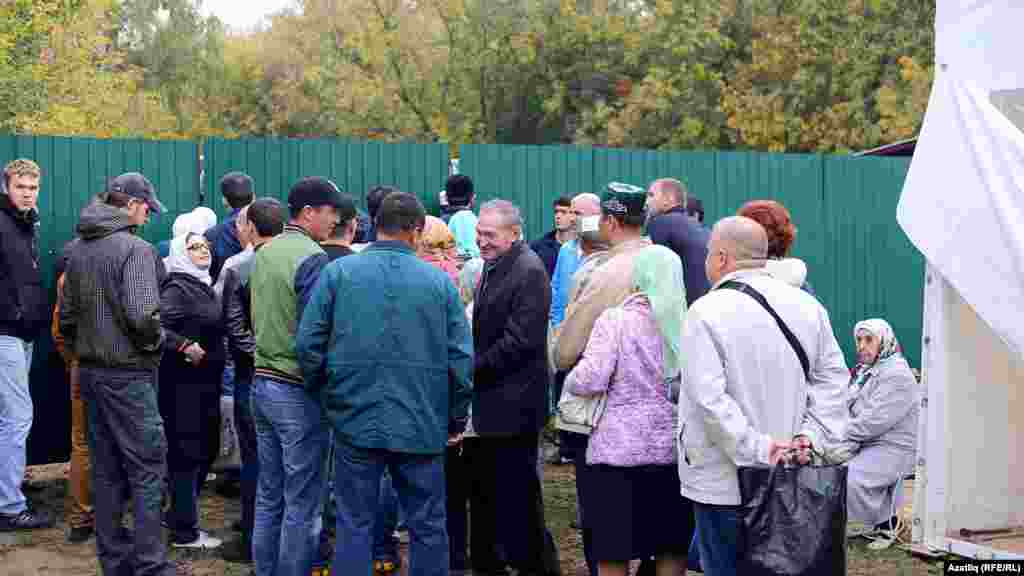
284 272
385 346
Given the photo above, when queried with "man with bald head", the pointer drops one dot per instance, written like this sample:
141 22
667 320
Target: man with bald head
586 209
669 225
747 399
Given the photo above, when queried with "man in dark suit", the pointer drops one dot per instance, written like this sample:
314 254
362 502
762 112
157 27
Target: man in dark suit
511 377
670 225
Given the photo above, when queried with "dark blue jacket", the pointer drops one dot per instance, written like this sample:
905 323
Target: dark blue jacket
224 243
547 247
385 346
689 241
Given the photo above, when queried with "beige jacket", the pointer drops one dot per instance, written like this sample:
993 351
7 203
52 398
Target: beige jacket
609 286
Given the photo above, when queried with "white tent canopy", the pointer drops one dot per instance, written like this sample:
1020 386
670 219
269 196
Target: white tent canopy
963 207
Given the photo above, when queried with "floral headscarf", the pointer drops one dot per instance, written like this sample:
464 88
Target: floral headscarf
437 246
888 347
469 279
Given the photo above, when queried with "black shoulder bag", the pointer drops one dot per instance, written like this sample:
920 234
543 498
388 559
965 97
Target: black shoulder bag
792 520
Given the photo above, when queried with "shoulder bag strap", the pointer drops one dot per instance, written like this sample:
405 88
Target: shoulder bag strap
793 341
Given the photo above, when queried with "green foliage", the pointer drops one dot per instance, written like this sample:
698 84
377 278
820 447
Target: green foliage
795 75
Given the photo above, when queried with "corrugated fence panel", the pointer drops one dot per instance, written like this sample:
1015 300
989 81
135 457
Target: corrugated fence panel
276 164
74 170
876 272
859 262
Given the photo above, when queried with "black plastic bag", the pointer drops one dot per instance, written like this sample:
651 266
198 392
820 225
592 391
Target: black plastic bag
792 521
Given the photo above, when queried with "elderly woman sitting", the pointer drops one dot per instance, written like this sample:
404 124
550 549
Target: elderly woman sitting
881 436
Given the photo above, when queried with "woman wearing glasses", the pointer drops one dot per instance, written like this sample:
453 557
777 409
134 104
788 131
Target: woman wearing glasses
189 383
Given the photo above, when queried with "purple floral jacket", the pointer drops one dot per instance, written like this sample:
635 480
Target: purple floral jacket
624 359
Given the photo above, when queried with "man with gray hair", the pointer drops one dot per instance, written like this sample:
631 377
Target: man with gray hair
586 209
747 400
511 378
669 225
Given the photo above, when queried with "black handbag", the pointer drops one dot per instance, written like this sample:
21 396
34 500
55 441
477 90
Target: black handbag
792 519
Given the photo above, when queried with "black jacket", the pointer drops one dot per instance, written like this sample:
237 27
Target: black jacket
237 309
547 248
224 243
689 241
510 322
23 300
111 308
190 394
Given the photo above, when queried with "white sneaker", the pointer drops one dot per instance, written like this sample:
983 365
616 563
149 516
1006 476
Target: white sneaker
204 542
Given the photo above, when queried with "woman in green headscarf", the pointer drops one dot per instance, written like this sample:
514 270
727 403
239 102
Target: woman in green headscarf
633 507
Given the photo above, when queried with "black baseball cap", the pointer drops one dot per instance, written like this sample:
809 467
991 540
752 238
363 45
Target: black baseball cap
137 186
315 192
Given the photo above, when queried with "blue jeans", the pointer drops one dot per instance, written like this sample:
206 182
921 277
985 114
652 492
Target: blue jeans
291 434
249 456
384 545
419 482
227 378
717 537
15 420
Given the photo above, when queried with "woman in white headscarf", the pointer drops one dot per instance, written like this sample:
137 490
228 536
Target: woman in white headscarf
190 374
882 432
203 219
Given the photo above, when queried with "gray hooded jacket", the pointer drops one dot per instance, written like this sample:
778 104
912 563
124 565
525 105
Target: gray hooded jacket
111 310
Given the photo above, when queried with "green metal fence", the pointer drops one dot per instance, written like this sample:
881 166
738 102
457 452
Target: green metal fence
860 263
75 169
275 164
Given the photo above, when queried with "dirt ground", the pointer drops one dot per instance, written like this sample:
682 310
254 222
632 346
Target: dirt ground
46 552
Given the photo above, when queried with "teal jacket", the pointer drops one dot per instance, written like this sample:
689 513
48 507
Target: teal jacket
385 346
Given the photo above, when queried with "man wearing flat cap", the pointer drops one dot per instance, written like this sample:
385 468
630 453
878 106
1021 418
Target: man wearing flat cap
622 218
291 430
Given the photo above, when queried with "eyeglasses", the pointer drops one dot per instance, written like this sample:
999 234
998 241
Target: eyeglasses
198 247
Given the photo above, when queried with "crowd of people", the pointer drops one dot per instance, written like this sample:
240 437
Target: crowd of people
399 372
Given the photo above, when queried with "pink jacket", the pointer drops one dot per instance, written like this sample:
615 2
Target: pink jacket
624 358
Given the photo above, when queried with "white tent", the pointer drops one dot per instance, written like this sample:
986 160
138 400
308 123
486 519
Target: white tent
963 207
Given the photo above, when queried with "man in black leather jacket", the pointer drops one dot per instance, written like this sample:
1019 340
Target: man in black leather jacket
257 224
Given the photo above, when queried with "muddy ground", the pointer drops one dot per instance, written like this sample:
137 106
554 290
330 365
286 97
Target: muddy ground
46 552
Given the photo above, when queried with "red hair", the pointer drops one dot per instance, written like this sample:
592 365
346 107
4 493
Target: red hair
776 222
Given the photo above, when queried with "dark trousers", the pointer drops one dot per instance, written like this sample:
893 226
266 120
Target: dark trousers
507 505
246 430
576 446
457 480
185 480
129 451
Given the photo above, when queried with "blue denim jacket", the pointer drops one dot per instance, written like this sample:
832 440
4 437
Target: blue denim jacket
385 346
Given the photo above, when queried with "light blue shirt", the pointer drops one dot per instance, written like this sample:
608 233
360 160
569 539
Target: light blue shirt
561 282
